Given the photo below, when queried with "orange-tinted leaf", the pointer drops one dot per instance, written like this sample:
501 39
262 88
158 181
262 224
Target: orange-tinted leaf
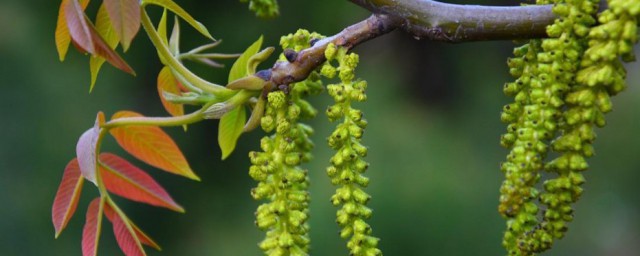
92 225
125 17
66 201
86 149
123 179
77 24
62 31
125 234
103 50
105 29
151 145
142 237
168 83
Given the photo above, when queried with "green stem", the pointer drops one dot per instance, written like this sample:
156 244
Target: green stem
158 121
175 64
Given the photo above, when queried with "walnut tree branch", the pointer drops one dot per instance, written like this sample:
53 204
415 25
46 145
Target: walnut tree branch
423 19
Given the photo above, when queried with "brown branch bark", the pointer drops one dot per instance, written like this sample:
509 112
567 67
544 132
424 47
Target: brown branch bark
423 19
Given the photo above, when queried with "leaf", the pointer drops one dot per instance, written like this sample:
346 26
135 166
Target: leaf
239 68
175 8
142 237
151 145
66 200
230 128
250 82
86 149
168 83
125 17
62 31
174 41
125 234
123 179
103 50
91 230
105 29
77 24
162 27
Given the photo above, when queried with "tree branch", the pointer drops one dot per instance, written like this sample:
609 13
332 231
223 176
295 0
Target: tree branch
454 23
423 19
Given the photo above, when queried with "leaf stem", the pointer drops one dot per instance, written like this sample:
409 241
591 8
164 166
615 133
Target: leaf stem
165 54
159 121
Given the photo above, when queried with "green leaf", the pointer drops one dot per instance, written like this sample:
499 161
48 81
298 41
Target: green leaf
175 8
125 17
174 41
230 128
105 29
239 68
162 27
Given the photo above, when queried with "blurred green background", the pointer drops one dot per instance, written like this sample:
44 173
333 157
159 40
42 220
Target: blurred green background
434 128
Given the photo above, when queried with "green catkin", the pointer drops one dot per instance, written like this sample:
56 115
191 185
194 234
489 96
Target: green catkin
544 69
347 165
601 75
281 181
263 8
557 65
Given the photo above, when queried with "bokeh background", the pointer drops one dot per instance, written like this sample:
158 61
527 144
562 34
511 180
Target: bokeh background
434 128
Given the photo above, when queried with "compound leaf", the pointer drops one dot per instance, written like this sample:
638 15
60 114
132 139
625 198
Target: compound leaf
105 29
62 31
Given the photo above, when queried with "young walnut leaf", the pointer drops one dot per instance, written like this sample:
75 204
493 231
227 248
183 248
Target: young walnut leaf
92 226
175 8
105 29
168 83
103 50
239 68
230 129
142 237
62 31
125 234
86 149
151 145
78 26
66 200
125 17
124 179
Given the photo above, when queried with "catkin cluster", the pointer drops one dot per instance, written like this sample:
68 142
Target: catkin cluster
563 86
277 168
264 8
347 165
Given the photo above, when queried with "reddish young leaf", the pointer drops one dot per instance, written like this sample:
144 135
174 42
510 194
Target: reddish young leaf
77 25
168 83
66 200
106 31
142 237
103 50
151 145
91 231
62 31
86 149
125 236
123 179
125 17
